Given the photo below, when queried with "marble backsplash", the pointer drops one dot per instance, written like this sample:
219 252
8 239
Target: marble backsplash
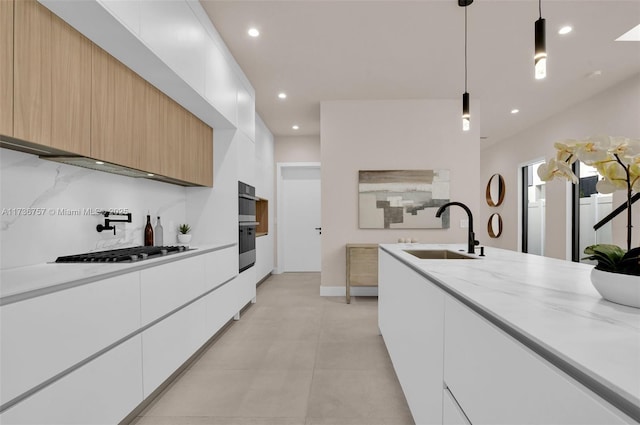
50 209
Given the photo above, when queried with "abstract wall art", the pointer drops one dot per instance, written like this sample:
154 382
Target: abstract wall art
403 199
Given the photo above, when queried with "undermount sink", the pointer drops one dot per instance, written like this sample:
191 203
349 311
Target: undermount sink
438 254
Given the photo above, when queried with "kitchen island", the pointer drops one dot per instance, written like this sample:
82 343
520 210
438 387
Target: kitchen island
511 337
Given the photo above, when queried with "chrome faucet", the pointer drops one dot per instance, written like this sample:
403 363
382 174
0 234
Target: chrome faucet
471 239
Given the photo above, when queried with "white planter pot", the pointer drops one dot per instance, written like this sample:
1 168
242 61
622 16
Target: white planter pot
618 288
182 238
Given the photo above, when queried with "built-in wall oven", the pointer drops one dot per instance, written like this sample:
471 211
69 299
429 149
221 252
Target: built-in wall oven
246 225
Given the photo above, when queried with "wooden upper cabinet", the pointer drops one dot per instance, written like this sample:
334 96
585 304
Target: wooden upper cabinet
52 80
6 67
32 72
71 95
70 88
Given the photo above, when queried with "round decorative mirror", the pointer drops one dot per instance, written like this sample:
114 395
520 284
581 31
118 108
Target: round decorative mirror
495 190
494 226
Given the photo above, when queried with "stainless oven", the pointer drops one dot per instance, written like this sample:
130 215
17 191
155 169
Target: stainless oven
246 225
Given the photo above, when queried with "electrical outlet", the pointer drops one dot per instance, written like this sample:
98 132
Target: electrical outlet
464 223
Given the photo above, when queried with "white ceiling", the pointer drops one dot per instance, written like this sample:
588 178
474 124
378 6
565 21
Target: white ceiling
338 50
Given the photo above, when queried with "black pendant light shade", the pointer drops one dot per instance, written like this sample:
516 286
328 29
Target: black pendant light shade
466 124
540 55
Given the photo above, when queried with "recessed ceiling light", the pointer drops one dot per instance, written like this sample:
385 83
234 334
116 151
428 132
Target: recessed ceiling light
632 35
282 95
99 162
295 127
253 32
565 30
515 111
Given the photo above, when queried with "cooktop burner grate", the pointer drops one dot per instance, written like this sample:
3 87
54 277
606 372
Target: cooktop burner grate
122 255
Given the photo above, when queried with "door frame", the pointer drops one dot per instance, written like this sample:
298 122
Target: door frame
280 226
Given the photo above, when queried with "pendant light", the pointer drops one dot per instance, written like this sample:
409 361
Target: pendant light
540 55
466 116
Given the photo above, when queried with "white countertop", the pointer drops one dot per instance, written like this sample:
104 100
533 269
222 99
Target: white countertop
552 307
26 282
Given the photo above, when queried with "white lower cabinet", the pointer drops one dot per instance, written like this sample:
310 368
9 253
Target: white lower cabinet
452 413
170 342
101 392
411 314
497 380
169 286
220 266
43 336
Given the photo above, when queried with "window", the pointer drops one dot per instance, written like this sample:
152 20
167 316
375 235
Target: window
589 207
533 210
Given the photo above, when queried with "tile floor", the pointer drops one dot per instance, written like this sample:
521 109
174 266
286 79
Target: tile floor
294 358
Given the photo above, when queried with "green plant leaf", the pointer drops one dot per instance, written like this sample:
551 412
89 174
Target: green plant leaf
608 256
630 262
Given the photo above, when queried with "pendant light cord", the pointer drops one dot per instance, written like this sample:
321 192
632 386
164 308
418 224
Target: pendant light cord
540 7
465 48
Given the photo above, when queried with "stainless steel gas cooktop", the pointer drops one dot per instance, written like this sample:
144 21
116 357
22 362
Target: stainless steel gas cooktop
123 255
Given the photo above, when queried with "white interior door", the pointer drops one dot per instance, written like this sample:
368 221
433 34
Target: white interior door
300 219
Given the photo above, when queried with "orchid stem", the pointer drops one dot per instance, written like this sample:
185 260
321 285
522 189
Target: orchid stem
629 193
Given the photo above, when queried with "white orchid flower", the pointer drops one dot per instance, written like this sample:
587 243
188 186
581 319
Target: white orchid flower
566 150
553 169
592 152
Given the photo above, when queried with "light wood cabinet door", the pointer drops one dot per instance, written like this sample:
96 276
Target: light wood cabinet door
70 89
32 72
197 147
112 111
6 67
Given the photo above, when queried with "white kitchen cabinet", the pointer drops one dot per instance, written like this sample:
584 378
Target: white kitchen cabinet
496 380
169 286
452 414
411 313
172 31
220 87
44 336
220 266
127 12
170 342
101 392
221 306
246 159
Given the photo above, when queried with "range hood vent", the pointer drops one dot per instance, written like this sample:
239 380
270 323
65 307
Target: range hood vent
80 161
57 155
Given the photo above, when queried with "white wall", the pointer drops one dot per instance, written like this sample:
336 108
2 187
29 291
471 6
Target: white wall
391 135
27 181
613 112
297 149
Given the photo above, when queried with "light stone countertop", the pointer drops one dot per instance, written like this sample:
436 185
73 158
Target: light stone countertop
21 283
551 307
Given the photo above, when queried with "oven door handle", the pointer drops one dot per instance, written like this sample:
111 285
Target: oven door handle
252 198
248 223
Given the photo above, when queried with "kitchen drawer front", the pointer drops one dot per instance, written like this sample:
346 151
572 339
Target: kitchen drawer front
220 266
496 380
103 391
452 413
169 343
221 306
169 286
44 336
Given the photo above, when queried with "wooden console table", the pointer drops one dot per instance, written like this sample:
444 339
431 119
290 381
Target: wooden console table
362 266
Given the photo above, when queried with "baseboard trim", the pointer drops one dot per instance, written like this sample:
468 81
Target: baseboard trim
357 291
